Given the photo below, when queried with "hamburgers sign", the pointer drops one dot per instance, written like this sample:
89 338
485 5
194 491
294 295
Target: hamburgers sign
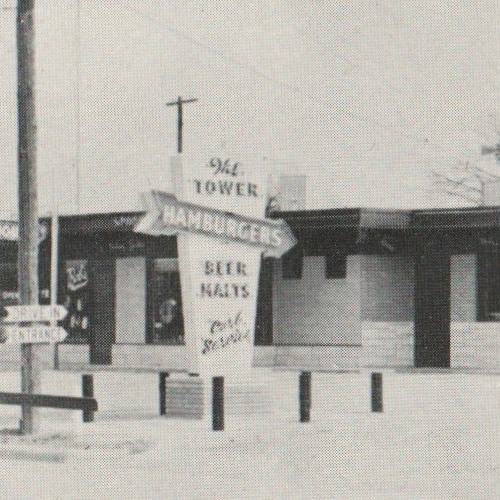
218 211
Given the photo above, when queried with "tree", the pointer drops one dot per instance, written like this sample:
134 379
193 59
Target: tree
465 181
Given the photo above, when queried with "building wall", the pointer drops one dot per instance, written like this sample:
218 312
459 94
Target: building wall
463 287
131 300
387 310
475 345
317 311
387 288
387 344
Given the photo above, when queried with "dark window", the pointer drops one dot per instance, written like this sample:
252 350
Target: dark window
336 266
8 284
489 287
168 321
264 317
292 265
76 300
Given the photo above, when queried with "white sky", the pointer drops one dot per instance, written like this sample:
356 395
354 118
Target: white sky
365 97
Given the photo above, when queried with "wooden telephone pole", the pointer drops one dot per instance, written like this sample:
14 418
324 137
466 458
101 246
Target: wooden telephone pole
180 123
28 211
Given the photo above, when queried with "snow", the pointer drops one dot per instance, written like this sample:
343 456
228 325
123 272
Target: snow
438 438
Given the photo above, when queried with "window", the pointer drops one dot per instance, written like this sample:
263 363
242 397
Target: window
76 300
264 316
292 265
9 296
168 321
8 284
489 286
336 266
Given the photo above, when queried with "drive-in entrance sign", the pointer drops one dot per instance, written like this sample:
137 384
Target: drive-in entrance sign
25 324
35 334
34 313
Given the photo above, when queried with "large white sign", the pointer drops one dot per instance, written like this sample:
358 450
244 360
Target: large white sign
218 211
219 279
9 230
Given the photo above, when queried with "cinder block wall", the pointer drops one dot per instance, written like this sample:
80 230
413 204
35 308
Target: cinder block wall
463 287
314 310
474 345
387 310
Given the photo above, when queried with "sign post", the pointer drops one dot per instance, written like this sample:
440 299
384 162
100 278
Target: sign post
217 211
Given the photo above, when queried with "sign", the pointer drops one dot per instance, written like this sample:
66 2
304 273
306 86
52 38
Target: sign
9 230
36 334
218 212
34 313
172 216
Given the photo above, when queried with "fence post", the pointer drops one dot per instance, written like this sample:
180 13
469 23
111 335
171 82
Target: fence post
218 403
162 387
305 396
88 392
376 390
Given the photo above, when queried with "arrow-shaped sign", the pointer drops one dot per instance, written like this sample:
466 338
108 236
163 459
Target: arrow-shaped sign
9 230
37 334
34 313
172 216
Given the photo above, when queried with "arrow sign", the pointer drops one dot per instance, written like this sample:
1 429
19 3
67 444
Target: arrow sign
34 313
172 216
9 230
37 334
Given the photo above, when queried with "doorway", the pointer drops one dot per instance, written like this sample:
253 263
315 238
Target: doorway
432 308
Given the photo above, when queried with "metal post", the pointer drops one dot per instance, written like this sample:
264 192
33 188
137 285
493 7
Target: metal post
28 211
218 403
376 393
162 387
88 392
305 396
54 259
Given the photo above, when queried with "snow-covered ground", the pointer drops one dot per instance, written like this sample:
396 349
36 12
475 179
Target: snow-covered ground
438 438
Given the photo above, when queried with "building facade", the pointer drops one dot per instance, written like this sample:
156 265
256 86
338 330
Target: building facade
362 288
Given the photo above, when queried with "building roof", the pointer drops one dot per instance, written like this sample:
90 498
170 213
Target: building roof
338 218
471 217
346 218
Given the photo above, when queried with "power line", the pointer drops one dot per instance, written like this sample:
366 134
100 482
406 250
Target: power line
296 89
229 57
361 64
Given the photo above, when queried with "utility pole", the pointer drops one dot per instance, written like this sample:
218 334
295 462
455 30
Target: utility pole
179 104
27 192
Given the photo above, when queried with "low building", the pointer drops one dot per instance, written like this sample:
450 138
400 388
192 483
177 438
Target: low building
363 288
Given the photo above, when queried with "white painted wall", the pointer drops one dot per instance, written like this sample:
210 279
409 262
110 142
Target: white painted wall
131 300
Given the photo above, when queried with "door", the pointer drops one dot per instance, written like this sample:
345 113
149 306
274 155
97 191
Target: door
102 329
432 308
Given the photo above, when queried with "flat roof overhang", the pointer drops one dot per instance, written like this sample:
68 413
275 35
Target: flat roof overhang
459 218
349 218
